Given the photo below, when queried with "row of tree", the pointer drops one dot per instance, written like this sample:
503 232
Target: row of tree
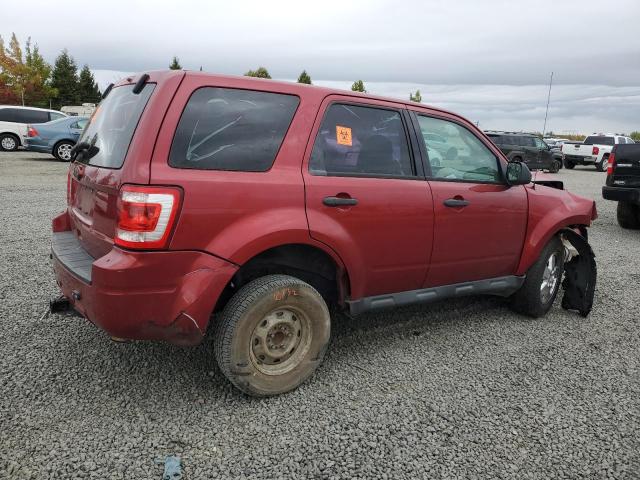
27 79
357 86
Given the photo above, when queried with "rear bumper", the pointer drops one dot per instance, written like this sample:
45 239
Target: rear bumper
621 194
36 145
143 295
579 160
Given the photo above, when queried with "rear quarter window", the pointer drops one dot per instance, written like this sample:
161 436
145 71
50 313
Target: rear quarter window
232 129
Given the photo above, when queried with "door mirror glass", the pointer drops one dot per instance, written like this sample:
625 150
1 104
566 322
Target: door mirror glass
518 174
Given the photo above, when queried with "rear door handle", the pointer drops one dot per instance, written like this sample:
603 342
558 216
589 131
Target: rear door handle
456 202
339 201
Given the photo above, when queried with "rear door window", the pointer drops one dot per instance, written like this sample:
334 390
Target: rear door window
362 141
232 129
8 115
112 125
33 116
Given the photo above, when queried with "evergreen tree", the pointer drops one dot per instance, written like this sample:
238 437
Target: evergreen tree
175 64
304 78
415 98
64 78
261 72
358 86
87 87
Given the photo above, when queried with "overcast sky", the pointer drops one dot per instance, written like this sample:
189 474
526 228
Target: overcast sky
489 60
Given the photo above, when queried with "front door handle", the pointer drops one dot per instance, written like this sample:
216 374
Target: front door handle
339 201
456 202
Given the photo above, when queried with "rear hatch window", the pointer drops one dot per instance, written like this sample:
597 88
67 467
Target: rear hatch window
111 127
593 140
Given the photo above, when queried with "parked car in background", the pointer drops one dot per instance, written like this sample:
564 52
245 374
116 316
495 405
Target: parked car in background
555 143
527 148
14 120
200 200
57 137
595 150
623 183
84 110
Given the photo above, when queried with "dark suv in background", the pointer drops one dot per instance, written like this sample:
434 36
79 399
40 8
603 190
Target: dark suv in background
527 148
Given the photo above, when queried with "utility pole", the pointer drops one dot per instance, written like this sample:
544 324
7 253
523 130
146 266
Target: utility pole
544 129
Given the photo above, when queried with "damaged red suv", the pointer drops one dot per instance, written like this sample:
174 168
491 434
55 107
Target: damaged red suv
243 206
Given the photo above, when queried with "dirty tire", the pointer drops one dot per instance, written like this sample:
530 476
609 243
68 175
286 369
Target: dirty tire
628 215
569 165
601 166
9 142
528 299
265 319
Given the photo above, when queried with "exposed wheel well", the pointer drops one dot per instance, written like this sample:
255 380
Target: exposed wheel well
305 262
11 134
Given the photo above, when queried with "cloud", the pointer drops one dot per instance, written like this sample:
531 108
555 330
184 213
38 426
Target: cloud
461 52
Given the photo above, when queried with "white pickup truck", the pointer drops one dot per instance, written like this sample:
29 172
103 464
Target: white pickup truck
595 150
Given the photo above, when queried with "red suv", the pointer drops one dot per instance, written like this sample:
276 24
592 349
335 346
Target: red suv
250 205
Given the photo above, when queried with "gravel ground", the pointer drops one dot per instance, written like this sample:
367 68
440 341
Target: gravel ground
464 389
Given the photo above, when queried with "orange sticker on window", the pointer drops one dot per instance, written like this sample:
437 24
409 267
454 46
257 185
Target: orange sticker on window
343 135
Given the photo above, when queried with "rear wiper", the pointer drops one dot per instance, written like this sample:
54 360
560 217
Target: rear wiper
83 147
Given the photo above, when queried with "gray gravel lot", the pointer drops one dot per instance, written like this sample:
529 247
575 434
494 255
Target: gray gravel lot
462 389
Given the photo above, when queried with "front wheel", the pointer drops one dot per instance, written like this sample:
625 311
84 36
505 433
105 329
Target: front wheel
555 166
540 288
8 142
62 151
272 335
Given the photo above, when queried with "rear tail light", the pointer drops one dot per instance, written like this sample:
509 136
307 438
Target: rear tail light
146 216
595 151
31 132
610 163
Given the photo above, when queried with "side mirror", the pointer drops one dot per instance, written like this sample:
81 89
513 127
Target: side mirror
518 173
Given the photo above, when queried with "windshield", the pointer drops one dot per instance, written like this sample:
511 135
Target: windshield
111 127
599 141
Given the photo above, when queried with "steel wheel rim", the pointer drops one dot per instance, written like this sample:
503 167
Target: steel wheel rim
550 278
280 340
64 151
8 143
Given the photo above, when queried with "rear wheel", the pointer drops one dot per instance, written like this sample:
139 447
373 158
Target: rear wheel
601 166
539 290
272 335
568 164
628 215
9 142
62 151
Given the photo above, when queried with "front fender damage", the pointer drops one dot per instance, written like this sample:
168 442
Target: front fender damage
580 273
